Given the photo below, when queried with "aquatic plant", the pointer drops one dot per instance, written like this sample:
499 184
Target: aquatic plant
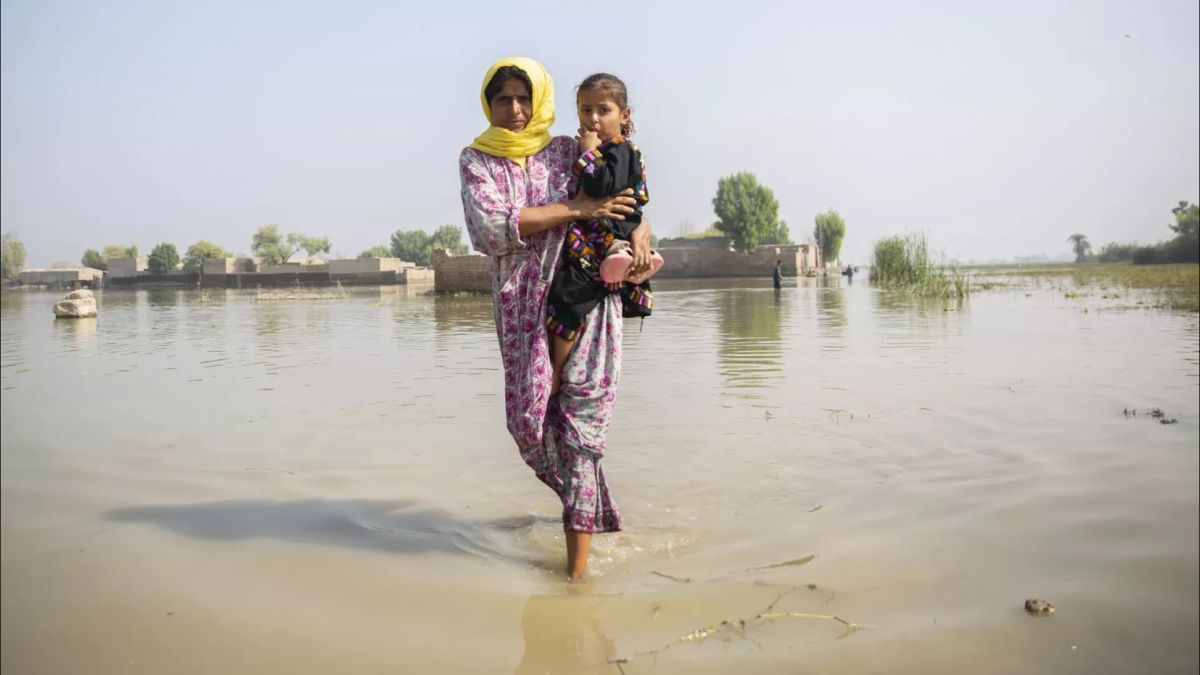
903 263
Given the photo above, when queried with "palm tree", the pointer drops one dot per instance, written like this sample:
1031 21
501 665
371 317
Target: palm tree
1081 246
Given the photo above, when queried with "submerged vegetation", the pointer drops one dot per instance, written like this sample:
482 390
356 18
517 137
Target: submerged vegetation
1175 286
903 263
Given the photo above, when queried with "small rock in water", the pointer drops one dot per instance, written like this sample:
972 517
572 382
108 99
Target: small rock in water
1035 606
79 304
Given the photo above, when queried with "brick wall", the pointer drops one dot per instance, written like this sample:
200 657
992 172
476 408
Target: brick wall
453 273
416 275
798 259
126 267
219 266
358 266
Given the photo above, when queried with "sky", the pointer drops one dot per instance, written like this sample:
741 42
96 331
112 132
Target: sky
996 128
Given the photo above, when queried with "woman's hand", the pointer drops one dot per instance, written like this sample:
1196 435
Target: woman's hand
639 246
615 207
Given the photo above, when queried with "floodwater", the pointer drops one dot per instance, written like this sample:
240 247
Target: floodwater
201 483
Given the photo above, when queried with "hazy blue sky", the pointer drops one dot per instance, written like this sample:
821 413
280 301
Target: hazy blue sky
999 128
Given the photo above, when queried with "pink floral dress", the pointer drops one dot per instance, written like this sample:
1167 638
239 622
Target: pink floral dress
563 441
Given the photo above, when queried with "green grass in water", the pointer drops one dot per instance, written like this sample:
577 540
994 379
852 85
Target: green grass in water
903 263
1176 286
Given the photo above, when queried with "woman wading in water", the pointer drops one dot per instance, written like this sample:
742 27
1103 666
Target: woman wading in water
516 185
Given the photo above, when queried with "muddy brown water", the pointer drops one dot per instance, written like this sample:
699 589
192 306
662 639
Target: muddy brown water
198 483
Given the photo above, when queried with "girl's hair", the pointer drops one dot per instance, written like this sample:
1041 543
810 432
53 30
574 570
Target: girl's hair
614 88
504 74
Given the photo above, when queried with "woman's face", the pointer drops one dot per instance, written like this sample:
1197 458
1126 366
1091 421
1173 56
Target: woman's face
598 112
512 106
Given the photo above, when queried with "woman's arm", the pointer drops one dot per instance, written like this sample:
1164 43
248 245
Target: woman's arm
534 219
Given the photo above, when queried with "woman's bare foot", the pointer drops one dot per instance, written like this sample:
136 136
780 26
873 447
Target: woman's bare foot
579 545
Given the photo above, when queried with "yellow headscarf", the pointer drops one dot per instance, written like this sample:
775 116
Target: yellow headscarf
518 145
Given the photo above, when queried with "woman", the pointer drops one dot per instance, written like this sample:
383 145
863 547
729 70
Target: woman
516 181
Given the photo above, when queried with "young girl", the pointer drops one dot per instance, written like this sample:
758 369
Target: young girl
596 253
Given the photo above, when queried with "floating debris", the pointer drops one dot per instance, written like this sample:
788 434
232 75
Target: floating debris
737 628
1155 413
787 563
1035 606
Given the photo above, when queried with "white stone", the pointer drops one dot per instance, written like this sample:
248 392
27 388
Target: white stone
75 309
80 294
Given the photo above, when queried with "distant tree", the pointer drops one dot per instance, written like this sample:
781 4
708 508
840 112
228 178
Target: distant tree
119 251
269 245
829 232
12 256
411 245
311 245
197 253
163 259
1186 245
376 252
1081 246
58 265
1117 252
747 212
1187 218
417 246
712 231
448 236
780 235
1183 248
92 258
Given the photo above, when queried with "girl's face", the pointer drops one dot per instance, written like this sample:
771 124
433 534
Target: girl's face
599 113
512 106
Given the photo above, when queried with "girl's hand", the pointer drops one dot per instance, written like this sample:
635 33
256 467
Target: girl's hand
588 140
615 207
639 247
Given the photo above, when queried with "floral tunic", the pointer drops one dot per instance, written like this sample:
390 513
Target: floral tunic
563 441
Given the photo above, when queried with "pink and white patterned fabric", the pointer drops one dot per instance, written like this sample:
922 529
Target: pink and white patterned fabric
563 441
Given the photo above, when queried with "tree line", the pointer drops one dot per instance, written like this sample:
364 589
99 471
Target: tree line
268 245
1184 247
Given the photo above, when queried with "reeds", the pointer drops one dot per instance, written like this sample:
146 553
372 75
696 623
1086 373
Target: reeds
903 263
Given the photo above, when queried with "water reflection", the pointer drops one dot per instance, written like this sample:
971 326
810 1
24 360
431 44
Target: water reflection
165 297
563 634
912 321
75 334
268 320
464 313
831 318
749 349
12 300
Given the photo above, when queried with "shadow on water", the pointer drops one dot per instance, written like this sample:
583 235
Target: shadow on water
388 526
750 350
